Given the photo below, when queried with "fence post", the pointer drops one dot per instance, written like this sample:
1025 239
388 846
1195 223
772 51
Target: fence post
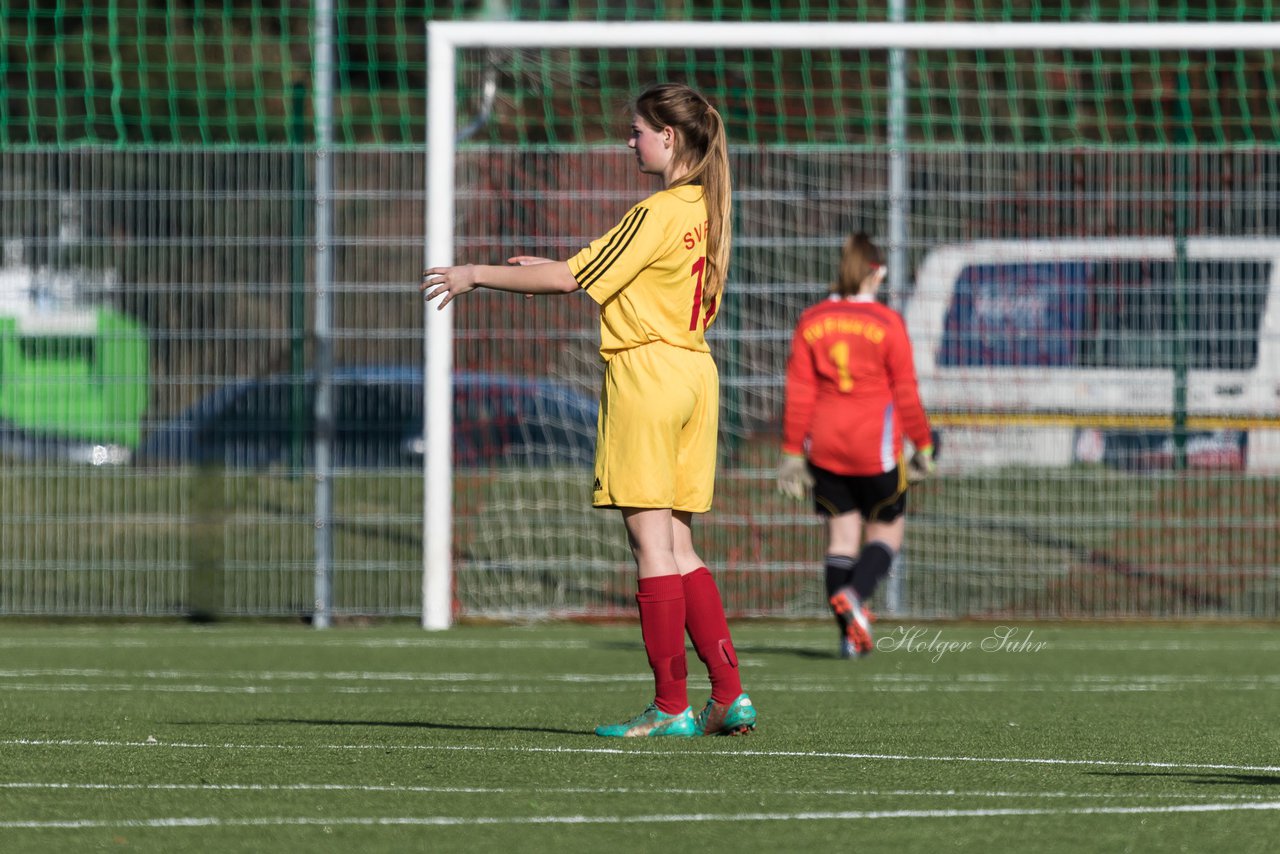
324 313
899 210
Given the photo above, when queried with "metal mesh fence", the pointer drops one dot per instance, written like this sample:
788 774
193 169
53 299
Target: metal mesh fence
157 388
239 72
157 349
1025 519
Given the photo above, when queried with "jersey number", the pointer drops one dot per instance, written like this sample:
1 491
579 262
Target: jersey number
699 267
839 354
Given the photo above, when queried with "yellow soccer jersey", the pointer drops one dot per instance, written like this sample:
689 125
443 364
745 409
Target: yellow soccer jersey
647 274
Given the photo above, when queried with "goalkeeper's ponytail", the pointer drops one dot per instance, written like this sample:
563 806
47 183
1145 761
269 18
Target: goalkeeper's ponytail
858 260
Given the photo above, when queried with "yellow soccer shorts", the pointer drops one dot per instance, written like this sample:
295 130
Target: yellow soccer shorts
656 431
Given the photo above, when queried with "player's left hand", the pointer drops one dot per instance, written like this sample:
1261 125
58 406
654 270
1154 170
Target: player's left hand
794 478
922 465
448 282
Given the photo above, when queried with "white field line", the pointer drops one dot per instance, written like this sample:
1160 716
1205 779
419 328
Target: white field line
312 675
490 683
612 790
141 688
202 638
1055 638
446 821
617 751
1259 645
1071 688
595 678
882 681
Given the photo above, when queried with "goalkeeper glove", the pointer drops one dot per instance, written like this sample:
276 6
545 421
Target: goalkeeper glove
921 465
794 478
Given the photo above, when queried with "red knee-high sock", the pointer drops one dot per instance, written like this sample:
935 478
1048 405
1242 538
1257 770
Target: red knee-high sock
661 601
709 631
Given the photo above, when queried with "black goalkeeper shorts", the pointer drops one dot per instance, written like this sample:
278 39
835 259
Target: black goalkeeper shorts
878 497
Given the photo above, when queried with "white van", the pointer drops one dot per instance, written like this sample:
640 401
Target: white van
1040 351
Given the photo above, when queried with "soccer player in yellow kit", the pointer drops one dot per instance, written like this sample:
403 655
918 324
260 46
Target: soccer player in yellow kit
658 276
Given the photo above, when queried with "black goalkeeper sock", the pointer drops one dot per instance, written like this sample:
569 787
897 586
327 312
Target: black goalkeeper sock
839 571
873 565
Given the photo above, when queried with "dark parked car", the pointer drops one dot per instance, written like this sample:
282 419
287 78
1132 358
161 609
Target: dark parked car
378 415
30 446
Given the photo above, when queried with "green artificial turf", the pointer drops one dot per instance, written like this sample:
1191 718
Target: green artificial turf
255 737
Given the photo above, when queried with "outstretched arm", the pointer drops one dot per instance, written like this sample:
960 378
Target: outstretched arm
529 276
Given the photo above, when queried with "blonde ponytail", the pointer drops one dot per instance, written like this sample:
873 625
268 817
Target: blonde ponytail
704 150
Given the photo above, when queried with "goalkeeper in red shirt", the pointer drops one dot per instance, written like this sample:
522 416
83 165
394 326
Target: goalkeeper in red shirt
851 395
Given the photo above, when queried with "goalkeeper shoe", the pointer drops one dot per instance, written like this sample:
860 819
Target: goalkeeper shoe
736 718
652 722
855 623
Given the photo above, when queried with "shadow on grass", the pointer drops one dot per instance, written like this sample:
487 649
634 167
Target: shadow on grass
741 649
427 725
794 651
1203 778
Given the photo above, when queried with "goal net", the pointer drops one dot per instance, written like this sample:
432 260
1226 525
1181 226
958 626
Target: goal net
1080 221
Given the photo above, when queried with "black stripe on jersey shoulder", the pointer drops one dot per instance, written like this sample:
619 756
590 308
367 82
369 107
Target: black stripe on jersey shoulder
612 250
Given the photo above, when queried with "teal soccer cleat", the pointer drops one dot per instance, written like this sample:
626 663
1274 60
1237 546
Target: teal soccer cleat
736 718
652 722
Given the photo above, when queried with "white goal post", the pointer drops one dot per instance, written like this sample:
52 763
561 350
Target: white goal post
446 38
